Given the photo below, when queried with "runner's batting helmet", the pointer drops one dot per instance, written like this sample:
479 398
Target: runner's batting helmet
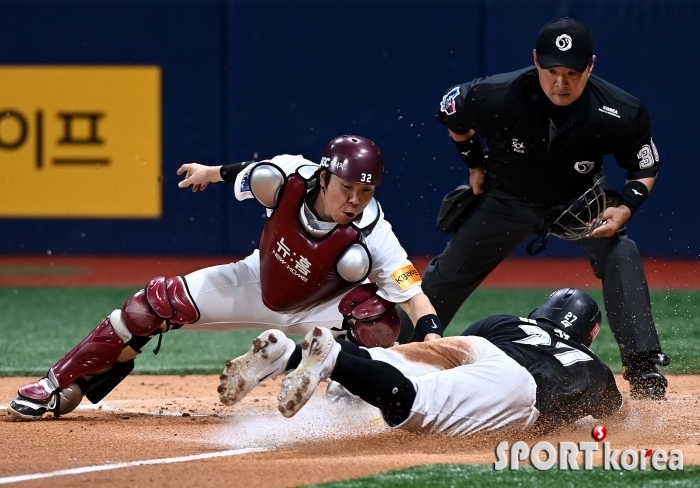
355 159
573 311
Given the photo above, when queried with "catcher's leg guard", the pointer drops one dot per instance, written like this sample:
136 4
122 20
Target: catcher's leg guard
118 339
98 386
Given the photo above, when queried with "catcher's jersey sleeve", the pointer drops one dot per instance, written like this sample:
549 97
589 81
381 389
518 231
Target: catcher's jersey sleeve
393 273
571 381
286 162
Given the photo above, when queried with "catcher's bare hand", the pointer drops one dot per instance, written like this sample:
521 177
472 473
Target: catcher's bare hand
477 176
431 337
614 218
199 176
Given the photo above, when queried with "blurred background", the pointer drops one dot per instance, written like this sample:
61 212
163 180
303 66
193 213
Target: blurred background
102 101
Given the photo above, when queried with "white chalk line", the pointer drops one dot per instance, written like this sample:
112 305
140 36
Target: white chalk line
108 467
109 408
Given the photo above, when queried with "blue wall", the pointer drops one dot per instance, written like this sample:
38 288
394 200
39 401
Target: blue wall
255 78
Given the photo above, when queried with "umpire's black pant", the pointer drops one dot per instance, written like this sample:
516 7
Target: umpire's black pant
495 227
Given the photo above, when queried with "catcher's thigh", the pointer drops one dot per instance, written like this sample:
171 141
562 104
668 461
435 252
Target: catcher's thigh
229 297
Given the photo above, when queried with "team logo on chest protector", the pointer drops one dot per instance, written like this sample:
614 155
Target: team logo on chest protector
584 167
295 269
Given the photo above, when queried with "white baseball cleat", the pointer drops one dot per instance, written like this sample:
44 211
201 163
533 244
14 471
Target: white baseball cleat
318 354
266 358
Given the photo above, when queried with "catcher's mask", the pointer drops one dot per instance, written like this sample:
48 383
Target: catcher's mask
582 216
577 220
573 311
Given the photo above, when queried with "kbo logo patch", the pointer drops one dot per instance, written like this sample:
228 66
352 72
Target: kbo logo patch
448 104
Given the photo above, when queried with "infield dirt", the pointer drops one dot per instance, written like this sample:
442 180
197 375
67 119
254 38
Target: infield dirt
155 417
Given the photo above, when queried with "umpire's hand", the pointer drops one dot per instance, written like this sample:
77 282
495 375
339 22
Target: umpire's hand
477 176
614 219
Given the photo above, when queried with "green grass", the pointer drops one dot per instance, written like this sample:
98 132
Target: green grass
39 325
484 476
676 313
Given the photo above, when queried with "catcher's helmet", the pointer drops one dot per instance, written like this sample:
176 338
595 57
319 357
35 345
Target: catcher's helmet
371 320
355 159
573 311
582 216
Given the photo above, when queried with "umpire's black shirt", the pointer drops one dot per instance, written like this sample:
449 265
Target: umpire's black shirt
541 153
571 381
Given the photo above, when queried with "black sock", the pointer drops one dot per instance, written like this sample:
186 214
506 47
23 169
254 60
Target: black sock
346 346
353 349
376 382
294 359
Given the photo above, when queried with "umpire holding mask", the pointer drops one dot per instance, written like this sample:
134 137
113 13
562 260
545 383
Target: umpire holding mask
547 128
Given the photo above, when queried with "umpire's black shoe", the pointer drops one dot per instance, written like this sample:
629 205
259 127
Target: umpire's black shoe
645 380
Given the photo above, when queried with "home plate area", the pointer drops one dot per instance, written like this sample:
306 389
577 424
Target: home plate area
157 430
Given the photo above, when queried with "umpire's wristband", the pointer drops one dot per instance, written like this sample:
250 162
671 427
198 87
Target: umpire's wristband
470 151
633 195
428 324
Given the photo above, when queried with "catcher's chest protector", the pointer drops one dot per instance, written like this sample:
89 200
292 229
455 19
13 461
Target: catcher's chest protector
296 269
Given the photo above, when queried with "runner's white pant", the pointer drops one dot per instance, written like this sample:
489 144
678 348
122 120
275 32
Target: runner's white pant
229 297
491 393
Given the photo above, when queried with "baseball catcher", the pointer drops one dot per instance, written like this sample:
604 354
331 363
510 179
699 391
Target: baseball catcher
325 236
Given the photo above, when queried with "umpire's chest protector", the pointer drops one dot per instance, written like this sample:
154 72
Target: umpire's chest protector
296 269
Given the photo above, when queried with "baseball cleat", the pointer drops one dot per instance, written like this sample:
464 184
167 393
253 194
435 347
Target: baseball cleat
651 386
318 354
33 400
266 358
21 409
646 382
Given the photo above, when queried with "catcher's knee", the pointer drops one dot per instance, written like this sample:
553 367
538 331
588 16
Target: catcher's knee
120 337
160 301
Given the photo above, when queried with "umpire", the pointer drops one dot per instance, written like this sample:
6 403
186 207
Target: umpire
547 128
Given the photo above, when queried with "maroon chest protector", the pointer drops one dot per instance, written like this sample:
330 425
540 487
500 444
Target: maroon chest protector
295 268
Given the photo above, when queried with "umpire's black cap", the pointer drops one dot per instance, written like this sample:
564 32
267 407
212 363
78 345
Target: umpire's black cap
564 42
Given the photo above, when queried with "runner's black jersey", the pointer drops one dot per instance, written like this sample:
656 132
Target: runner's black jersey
571 381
